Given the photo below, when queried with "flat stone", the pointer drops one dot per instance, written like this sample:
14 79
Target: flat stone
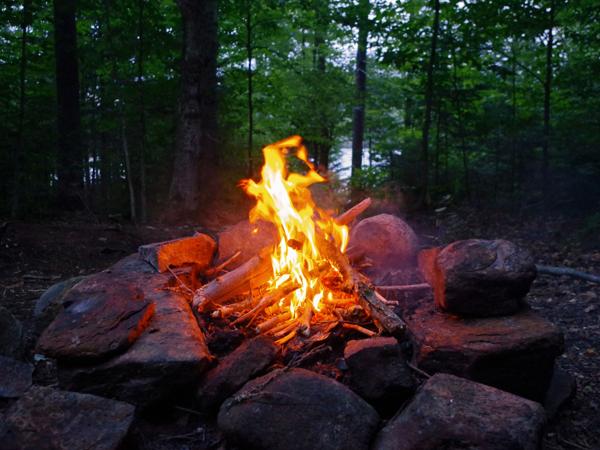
244 363
46 418
195 250
513 353
15 377
168 358
104 314
11 335
378 372
247 238
452 413
297 409
387 241
482 278
50 304
562 389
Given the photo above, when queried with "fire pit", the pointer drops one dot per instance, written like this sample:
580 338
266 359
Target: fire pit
292 321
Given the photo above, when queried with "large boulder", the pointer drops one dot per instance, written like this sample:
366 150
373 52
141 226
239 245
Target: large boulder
51 303
45 418
514 353
247 238
168 358
15 377
197 250
103 316
298 410
11 335
387 241
244 363
479 277
452 413
378 372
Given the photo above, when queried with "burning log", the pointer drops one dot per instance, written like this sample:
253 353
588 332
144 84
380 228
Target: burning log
272 297
348 216
254 272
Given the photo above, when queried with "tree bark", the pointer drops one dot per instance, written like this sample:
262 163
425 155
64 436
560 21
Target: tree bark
429 104
69 171
547 94
196 155
249 77
358 113
142 112
20 147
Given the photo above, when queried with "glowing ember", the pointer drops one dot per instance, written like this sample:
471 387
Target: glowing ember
300 260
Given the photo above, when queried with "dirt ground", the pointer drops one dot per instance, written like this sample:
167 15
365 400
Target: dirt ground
35 256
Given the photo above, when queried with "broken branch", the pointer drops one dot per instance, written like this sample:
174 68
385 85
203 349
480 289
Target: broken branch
348 216
551 270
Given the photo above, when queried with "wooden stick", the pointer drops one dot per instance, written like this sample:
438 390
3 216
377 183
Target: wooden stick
348 216
378 310
215 270
272 297
290 326
360 329
256 270
551 270
404 287
272 322
306 318
284 339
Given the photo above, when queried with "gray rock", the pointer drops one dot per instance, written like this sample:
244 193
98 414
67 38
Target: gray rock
15 377
233 371
561 391
386 240
481 278
452 413
50 304
378 372
298 409
169 357
11 335
197 250
45 418
513 353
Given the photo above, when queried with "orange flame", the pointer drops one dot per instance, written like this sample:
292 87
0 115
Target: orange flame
284 199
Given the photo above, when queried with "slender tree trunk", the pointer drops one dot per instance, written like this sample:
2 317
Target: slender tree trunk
436 167
19 150
127 158
358 113
320 65
196 156
547 100
513 134
68 112
429 103
461 126
249 76
142 111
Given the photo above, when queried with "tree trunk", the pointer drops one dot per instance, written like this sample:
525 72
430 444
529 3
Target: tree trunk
20 147
320 65
68 112
249 75
358 113
126 157
513 134
142 112
196 155
547 93
429 104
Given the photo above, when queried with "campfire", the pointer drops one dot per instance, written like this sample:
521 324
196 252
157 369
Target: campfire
303 285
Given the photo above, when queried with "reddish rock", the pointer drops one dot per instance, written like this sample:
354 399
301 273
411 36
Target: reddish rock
514 353
387 241
103 316
244 363
296 410
247 238
45 418
196 250
481 278
378 372
15 377
168 358
50 304
452 413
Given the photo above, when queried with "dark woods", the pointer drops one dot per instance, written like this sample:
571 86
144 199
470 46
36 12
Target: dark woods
150 109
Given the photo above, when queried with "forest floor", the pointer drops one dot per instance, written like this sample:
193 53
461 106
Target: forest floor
34 256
